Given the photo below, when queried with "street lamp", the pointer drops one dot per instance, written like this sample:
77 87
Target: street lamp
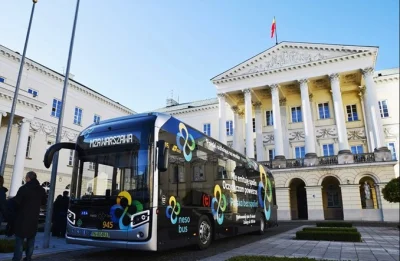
14 103
53 179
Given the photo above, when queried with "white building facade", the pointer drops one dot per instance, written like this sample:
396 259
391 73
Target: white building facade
36 119
320 117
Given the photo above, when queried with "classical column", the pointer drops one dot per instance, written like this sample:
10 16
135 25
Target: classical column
307 119
236 133
367 122
19 162
2 114
339 114
259 137
239 130
249 124
222 118
372 108
276 113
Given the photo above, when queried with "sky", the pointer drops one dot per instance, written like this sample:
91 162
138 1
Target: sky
139 53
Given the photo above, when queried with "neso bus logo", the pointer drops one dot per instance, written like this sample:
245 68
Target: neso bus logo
185 136
268 192
173 210
220 200
122 212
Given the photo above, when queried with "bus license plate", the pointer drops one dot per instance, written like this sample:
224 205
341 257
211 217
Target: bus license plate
100 234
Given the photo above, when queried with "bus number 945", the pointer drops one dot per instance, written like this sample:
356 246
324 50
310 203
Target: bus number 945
108 224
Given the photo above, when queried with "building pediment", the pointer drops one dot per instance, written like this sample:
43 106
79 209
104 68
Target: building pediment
290 54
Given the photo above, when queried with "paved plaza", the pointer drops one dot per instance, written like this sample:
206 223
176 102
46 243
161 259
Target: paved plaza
379 243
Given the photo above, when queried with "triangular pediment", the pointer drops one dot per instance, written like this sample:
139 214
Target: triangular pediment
287 54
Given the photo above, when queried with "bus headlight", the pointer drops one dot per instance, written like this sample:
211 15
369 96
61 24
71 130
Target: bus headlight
71 217
140 218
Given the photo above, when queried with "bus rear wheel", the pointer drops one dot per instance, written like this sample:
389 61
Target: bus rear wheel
204 232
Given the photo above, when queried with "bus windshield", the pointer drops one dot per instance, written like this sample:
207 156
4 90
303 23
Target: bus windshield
107 172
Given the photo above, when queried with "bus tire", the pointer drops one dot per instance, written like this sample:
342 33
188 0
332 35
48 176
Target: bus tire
262 225
205 232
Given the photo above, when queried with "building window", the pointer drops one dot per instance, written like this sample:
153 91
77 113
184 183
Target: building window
328 150
28 147
229 128
2 79
56 109
383 108
296 114
33 92
270 118
352 112
271 154
357 149
300 152
96 118
71 158
392 148
78 116
207 129
323 110
254 124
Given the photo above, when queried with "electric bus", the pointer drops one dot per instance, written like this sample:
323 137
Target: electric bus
152 182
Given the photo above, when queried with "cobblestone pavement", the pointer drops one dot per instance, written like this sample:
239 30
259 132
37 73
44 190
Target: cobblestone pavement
181 254
379 243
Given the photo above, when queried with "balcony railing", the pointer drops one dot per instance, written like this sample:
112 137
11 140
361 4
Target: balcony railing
321 161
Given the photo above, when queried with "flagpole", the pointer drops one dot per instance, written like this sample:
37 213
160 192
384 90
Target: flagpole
53 179
14 103
276 32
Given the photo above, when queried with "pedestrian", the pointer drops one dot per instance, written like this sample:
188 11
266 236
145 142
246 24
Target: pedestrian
28 200
64 213
3 201
56 217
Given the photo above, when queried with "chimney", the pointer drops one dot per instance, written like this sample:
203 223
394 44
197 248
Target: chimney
171 102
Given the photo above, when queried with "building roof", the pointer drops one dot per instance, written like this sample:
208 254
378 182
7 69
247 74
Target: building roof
70 80
188 105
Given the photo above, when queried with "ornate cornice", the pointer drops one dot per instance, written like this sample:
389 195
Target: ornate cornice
230 77
303 82
29 64
274 87
188 110
334 77
257 105
221 95
246 91
7 93
235 109
386 78
369 71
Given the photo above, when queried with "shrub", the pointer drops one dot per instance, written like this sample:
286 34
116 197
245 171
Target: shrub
7 245
334 224
268 258
329 236
344 229
391 192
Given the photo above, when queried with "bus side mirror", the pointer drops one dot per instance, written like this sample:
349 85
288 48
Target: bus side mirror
48 156
163 156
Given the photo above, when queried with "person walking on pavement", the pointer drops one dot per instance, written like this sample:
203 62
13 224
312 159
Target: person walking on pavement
3 201
28 200
64 213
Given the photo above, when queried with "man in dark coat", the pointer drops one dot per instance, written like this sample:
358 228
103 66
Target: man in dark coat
3 202
28 200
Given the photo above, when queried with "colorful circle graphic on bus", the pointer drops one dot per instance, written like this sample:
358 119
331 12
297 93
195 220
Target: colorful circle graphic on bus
122 212
267 187
188 138
173 210
219 199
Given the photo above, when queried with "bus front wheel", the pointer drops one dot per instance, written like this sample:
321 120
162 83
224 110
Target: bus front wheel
262 225
204 232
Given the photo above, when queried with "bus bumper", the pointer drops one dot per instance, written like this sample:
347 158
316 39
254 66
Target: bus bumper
144 245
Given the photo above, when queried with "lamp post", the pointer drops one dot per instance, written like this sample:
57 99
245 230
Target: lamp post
15 99
53 179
